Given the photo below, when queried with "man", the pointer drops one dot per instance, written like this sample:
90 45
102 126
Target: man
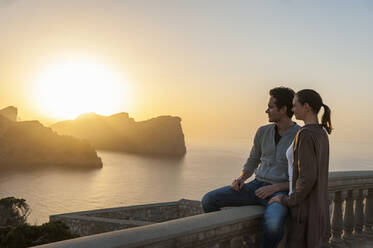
271 177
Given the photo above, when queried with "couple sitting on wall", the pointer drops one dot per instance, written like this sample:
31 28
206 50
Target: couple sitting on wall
291 166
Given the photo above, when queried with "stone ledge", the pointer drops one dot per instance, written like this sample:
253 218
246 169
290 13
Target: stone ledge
342 180
104 210
211 224
104 220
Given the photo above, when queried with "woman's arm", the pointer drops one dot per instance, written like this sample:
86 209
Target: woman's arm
266 191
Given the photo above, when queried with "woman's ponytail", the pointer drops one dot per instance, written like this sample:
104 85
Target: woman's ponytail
325 119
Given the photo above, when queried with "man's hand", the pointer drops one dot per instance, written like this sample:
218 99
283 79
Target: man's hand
266 191
237 184
276 198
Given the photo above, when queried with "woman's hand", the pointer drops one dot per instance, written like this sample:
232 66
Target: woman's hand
276 198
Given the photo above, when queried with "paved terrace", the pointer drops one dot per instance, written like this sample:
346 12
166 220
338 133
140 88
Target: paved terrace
180 224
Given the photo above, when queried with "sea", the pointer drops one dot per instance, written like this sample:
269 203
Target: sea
129 179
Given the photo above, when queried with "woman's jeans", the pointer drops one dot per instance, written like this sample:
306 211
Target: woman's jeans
274 216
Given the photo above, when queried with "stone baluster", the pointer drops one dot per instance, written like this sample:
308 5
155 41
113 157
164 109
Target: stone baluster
252 239
359 214
237 242
349 218
369 215
337 221
224 244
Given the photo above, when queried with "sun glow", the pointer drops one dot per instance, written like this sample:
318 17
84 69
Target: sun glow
69 88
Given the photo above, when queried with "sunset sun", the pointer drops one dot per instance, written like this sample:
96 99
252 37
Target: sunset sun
70 88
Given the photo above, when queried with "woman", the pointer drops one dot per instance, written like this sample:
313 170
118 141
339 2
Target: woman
309 197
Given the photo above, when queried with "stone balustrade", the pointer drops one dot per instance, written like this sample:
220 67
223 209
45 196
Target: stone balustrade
351 209
351 198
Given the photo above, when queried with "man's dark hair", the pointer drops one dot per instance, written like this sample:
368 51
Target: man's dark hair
284 97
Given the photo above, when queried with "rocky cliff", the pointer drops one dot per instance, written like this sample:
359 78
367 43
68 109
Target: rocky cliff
158 136
30 144
10 113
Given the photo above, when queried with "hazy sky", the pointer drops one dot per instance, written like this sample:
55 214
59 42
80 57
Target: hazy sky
210 62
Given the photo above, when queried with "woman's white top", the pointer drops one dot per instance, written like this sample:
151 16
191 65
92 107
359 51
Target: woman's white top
289 156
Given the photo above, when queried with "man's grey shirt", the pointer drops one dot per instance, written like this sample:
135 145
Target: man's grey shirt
271 158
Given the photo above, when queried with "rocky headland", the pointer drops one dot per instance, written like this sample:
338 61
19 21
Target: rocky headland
27 144
160 136
10 112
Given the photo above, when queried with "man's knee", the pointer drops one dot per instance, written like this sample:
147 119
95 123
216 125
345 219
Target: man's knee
208 202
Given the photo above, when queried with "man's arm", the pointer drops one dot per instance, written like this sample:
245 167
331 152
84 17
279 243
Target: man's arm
262 192
251 163
238 183
255 154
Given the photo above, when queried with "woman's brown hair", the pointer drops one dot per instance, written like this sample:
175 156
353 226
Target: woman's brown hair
314 100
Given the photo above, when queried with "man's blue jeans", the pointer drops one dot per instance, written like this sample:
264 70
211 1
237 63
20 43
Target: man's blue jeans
274 216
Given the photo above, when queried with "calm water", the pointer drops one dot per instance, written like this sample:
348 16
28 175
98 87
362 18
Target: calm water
130 179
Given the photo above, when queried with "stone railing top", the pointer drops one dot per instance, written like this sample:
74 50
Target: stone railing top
135 237
342 180
333 175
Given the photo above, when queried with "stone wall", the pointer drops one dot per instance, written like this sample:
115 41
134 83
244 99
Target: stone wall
233 227
84 226
189 208
104 220
151 212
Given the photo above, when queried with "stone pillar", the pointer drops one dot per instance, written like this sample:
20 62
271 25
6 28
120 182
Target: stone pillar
225 244
337 221
252 240
349 218
236 242
369 215
359 215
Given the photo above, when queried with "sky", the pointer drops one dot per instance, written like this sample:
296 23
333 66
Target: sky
210 62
